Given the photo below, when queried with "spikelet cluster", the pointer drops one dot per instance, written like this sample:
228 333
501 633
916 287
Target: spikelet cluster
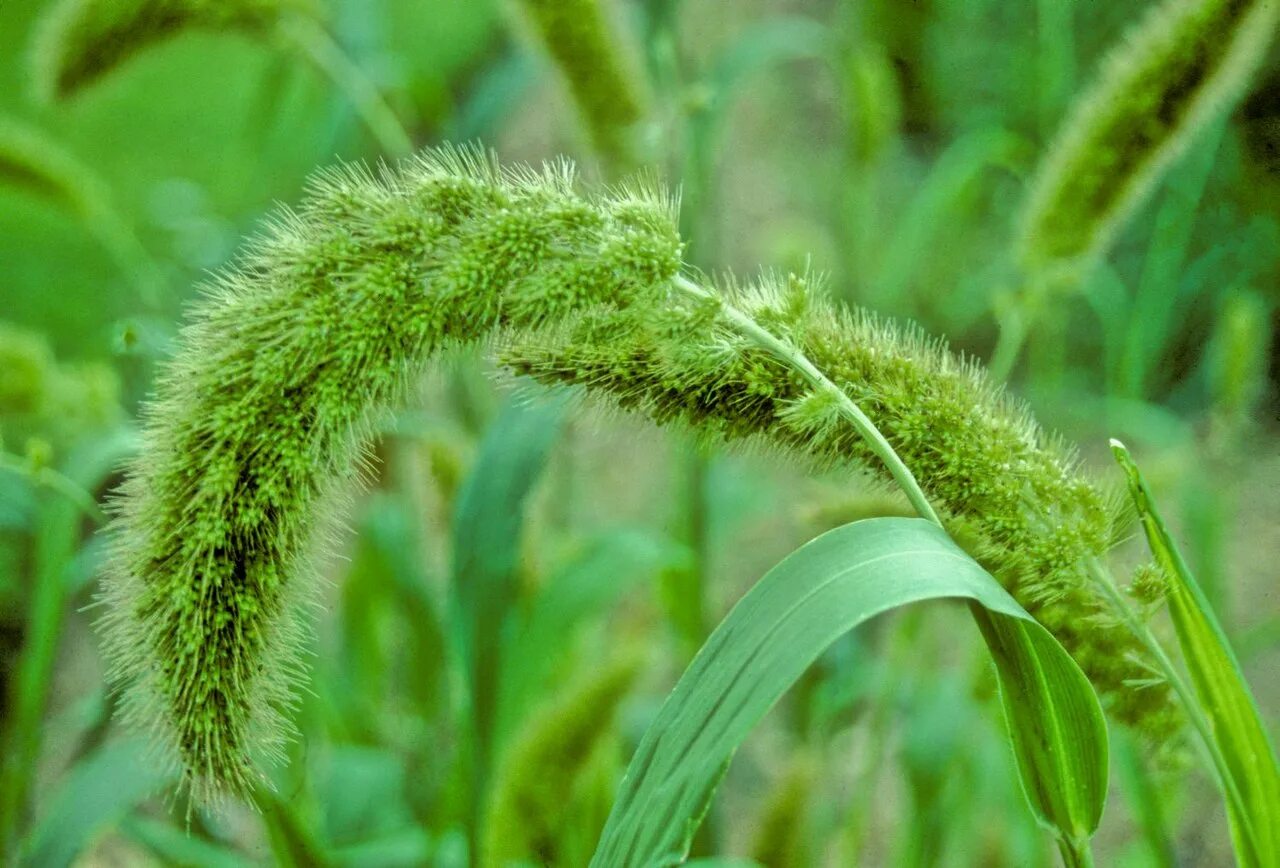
79 41
578 36
1011 493
1177 72
258 421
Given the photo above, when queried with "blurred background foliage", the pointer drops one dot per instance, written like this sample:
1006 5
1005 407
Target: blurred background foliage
523 584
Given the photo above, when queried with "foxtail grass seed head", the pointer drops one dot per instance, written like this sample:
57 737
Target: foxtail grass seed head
1015 494
79 41
258 422
581 40
257 426
1177 72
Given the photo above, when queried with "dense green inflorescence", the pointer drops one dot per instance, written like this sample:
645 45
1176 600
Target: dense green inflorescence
79 41
1011 493
258 421
1179 71
578 36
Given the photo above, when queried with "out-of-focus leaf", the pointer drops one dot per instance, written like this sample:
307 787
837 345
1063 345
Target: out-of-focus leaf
293 843
588 585
951 180
487 527
92 798
180 847
361 791
801 606
410 846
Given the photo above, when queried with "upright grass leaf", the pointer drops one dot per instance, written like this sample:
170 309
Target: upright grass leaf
487 535
387 582
487 532
1180 70
814 596
1251 776
58 523
935 205
293 843
62 503
531 803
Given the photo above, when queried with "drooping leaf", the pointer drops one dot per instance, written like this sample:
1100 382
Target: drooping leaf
814 596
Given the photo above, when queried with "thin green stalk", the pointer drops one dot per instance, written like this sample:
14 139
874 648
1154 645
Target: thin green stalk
796 360
328 57
54 546
1075 854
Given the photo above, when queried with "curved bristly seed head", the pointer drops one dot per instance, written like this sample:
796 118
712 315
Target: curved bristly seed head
258 421
1012 493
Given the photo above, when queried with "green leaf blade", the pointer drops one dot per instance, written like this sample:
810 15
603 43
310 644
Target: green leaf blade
1248 765
815 595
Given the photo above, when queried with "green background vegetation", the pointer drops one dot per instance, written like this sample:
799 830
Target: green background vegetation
888 145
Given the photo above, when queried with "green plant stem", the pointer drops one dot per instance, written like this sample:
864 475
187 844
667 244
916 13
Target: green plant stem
791 356
319 47
1075 853
1186 697
54 545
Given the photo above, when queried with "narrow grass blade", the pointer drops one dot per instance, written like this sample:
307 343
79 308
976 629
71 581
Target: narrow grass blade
57 522
815 595
1251 775
487 529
